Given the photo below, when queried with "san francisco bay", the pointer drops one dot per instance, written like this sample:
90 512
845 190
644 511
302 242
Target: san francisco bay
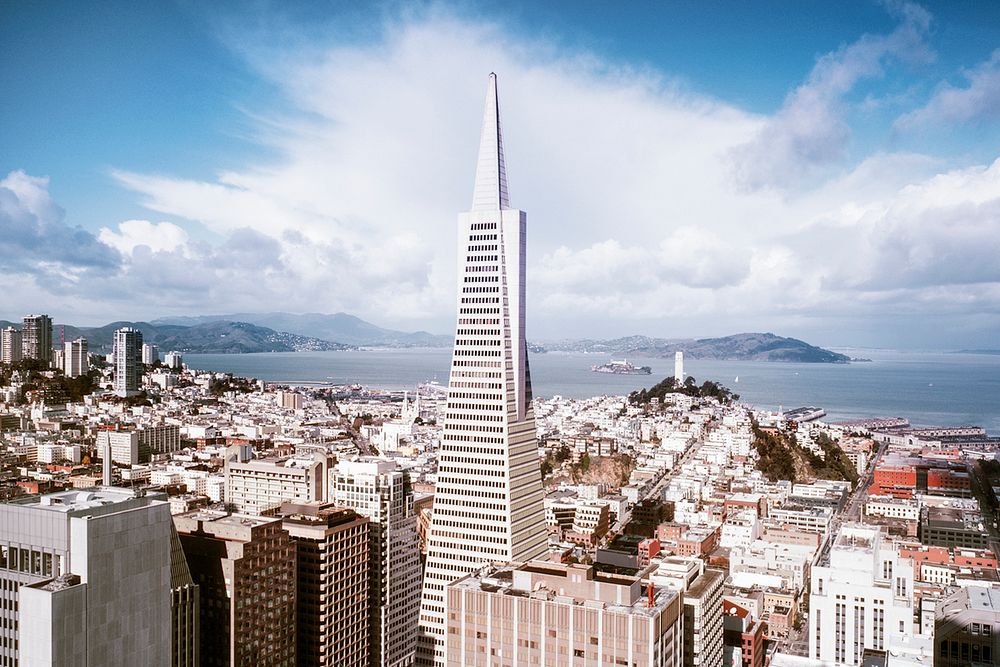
928 388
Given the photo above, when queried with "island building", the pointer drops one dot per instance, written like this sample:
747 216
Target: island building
967 628
260 486
10 345
553 614
75 358
331 561
36 337
861 597
488 493
127 356
85 579
381 492
245 569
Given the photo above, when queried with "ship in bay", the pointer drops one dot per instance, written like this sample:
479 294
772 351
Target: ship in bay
622 367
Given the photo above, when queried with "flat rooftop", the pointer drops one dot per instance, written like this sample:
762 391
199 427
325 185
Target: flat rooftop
76 500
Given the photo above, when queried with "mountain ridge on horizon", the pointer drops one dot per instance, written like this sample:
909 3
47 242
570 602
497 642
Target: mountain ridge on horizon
283 332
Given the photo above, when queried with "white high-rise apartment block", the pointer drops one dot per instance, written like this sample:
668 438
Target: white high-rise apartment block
173 360
85 579
861 597
128 361
10 345
75 358
678 368
488 496
380 491
150 353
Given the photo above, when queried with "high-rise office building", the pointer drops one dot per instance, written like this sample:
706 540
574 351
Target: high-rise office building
128 361
36 337
10 345
380 491
85 578
75 358
331 546
861 597
245 570
701 588
552 614
488 495
150 353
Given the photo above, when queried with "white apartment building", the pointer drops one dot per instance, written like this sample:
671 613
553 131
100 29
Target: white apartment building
124 446
790 562
701 588
10 345
896 508
861 597
740 529
76 360
812 519
260 486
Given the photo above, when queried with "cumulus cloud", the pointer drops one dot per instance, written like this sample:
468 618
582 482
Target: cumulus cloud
810 131
978 100
35 239
635 223
156 236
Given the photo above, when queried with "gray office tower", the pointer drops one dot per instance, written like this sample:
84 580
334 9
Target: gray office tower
85 579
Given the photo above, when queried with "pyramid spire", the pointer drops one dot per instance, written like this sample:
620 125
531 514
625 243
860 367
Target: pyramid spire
490 191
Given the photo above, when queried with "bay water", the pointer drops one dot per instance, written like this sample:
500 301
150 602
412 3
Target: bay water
928 388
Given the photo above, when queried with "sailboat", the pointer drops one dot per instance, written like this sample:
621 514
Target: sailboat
737 380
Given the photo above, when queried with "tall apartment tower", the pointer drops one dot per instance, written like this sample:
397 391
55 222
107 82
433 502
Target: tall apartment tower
331 546
36 337
10 345
488 495
245 570
128 361
381 492
85 579
75 357
150 353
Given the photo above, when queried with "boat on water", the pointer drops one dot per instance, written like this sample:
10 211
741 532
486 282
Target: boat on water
622 367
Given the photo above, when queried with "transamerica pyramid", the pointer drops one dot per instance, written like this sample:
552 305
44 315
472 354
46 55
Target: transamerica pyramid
488 495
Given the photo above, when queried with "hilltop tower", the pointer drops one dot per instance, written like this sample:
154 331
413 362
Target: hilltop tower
488 496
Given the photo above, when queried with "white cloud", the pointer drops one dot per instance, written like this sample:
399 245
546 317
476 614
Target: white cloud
634 221
810 131
162 236
978 100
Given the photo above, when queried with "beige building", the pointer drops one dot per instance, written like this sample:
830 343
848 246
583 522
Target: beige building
260 486
332 569
245 569
701 588
553 615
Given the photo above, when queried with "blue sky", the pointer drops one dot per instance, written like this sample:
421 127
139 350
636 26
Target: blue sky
818 169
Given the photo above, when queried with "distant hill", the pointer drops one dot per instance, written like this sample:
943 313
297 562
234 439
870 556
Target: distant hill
340 327
208 338
738 347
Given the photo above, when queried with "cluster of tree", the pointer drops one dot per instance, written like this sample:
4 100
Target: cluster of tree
781 457
38 378
690 387
237 384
